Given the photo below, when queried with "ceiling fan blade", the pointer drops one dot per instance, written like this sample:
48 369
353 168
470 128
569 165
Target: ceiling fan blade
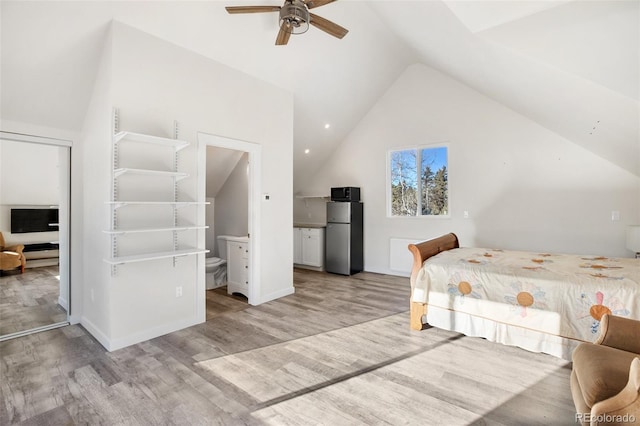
283 35
316 3
252 9
327 26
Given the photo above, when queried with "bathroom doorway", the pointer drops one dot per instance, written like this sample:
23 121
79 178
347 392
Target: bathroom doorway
229 172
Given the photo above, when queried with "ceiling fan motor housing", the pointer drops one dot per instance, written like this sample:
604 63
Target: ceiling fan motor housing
295 16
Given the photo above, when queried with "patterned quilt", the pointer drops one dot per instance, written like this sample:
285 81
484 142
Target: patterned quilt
564 295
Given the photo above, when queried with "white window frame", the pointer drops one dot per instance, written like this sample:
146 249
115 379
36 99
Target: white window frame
418 149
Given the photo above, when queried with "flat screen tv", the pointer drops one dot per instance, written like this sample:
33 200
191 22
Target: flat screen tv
33 220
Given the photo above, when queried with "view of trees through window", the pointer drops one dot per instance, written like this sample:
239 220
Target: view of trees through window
419 182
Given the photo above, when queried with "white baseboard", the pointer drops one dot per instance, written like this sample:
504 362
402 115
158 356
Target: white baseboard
387 271
275 295
64 303
132 339
311 268
95 332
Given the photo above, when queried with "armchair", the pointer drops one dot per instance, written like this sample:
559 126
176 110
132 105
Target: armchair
605 381
11 257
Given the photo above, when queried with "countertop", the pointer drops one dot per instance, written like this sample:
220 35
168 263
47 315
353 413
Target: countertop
309 225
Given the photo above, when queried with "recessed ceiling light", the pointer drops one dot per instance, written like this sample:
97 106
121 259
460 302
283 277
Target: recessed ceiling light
306 151
326 126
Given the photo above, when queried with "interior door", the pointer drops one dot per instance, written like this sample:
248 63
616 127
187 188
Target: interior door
35 183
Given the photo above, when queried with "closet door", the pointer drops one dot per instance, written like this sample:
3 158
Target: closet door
34 222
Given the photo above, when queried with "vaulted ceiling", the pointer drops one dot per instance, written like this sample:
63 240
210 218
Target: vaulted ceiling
571 66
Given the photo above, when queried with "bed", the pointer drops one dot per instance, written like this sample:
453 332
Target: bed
542 302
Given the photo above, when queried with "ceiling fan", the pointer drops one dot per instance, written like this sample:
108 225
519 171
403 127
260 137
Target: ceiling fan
295 18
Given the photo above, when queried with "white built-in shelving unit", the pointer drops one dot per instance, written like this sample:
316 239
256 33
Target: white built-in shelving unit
164 177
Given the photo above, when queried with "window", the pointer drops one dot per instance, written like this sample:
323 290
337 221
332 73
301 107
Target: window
418 182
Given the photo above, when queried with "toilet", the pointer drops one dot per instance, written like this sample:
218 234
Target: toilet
216 267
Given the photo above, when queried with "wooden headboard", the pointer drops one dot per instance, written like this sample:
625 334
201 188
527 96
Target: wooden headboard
421 252
424 250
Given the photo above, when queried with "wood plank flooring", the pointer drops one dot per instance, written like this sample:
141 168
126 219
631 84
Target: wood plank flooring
30 299
337 352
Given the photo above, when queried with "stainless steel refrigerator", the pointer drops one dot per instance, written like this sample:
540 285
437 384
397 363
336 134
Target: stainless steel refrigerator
344 248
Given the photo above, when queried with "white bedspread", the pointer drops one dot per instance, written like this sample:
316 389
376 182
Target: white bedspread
557 294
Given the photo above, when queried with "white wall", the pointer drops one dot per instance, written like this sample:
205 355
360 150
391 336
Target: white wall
29 174
311 210
93 158
153 83
232 202
29 177
523 186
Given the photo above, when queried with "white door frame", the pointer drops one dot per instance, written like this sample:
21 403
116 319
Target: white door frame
255 187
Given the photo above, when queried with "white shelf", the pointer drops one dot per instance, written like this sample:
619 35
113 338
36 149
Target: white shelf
159 173
153 256
118 204
140 230
156 140
312 196
139 226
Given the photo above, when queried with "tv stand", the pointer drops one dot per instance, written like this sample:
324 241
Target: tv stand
41 254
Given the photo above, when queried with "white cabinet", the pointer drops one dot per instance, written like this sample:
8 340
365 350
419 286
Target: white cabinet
297 245
150 226
312 247
238 267
308 247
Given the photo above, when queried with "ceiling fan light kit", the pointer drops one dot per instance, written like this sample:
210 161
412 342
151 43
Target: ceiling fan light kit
294 18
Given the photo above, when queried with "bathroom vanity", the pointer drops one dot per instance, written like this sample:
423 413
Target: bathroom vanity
238 266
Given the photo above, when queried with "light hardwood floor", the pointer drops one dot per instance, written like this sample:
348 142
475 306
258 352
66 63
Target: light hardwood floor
337 352
30 299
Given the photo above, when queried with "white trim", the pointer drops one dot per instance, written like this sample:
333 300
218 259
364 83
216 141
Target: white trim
20 137
64 303
275 295
132 339
255 191
95 332
149 334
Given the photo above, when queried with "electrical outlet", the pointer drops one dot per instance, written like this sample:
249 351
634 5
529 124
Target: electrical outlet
466 214
179 291
615 215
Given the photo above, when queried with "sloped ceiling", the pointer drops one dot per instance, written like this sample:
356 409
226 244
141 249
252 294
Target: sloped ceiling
571 66
220 164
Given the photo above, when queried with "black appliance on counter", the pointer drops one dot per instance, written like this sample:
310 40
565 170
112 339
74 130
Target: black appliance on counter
345 194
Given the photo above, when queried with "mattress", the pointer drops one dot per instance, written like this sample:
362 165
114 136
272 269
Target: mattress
556 294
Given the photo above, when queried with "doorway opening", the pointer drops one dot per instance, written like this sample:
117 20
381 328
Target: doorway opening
229 172
35 182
